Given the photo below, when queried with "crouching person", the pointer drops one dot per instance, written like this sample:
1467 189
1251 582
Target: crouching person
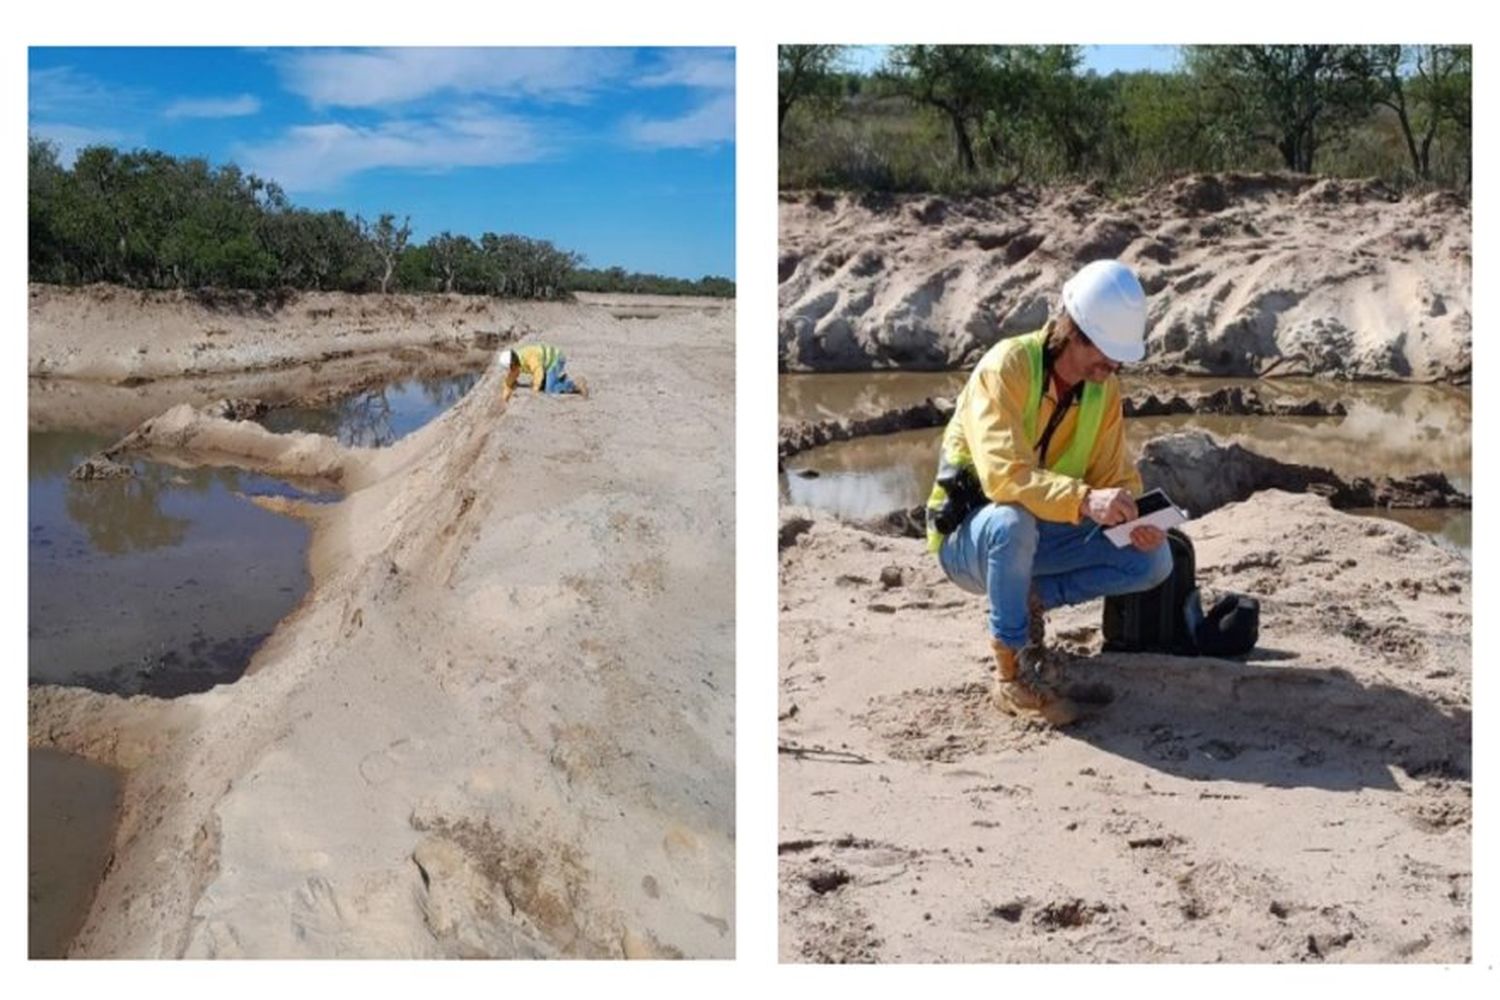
1033 463
547 367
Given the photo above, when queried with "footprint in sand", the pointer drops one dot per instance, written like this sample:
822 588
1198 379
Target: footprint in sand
378 767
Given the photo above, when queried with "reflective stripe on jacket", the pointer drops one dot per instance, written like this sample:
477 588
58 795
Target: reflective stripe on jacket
995 427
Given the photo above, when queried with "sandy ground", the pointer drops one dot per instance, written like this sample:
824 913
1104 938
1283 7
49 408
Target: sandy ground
1245 275
1310 804
475 737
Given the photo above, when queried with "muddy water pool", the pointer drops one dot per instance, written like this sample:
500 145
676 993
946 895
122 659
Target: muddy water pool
165 583
1389 429
71 813
376 417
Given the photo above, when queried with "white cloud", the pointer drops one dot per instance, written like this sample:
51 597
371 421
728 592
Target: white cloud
709 124
63 90
69 139
396 76
318 157
214 107
710 69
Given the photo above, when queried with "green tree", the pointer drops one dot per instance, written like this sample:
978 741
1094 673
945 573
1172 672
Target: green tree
46 191
1295 97
804 71
1426 86
415 271
387 240
959 81
148 219
1043 103
448 254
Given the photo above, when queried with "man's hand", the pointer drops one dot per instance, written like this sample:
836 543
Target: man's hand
1108 507
1147 537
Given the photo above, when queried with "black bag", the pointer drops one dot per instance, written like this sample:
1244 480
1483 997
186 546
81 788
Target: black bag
1170 617
1231 627
1156 620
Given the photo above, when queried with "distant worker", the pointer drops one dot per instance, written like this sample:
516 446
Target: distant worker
546 366
1032 462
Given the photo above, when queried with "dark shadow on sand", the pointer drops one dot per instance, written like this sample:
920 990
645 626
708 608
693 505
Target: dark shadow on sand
1206 719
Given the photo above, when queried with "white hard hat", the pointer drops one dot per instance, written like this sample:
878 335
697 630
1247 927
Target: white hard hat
1105 299
507 358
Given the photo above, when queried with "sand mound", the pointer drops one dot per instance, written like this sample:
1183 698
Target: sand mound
1246 274
473 738
1312 803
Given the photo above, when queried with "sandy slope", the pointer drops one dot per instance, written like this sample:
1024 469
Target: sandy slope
1245 273
1310 804
500 724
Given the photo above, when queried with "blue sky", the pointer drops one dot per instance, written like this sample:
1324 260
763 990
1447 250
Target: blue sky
624 155
1102 59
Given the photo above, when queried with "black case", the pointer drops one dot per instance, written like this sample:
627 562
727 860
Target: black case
1156 620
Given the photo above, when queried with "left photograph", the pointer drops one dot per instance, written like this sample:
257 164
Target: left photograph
381 503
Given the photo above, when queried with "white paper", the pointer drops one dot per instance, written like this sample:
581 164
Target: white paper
1167 517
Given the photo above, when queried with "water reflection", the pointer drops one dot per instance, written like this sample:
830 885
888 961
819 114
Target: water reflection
168 581
1393 430
162 583
125 515
860 394
379 416
865 477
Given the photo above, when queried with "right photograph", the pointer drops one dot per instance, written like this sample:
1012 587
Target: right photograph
1124 540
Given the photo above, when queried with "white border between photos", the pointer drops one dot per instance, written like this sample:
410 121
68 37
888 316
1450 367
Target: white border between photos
754 28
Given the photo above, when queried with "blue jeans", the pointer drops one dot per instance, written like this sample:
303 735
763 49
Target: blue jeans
1003 549
557 380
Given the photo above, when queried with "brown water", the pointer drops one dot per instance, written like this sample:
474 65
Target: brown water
1389 429
164 583
72 807
826 397
376 417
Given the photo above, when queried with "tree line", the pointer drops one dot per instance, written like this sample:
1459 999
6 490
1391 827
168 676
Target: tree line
970 117
617 279
147 219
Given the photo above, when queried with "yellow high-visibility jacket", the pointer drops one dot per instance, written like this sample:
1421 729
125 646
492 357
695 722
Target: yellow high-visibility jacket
988 430
534 360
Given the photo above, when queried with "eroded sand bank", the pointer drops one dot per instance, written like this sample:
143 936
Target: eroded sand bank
1246 275
500 723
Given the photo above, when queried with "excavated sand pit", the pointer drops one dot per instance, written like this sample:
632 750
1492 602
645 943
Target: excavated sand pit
470 738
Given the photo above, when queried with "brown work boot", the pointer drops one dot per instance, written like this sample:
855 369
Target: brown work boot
583 387
1019 693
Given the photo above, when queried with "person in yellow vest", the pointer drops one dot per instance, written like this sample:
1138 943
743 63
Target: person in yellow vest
547 367
1032 462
